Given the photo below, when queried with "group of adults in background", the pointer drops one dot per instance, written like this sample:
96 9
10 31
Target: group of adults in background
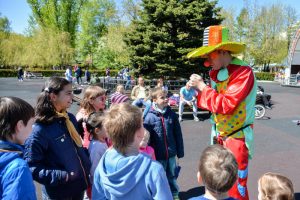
78 75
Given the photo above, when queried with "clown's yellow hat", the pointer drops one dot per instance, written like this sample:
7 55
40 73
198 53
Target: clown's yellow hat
216 37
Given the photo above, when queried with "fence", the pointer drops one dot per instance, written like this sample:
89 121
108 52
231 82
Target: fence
110 83
292 80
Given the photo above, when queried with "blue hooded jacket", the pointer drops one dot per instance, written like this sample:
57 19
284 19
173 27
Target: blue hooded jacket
15 177
129 177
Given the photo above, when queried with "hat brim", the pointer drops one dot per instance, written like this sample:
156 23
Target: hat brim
202 52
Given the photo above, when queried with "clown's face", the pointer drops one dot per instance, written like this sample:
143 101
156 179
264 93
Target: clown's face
216 60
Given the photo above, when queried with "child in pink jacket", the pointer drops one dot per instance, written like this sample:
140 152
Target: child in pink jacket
144 146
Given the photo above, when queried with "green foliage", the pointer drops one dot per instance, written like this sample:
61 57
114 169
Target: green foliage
265 76
4 33
8 73
131 9
49 73
4 24
62 15
262 29
166 32
96 16
111 50
46 48
13 49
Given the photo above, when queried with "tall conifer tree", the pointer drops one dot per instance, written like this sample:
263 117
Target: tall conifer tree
166 31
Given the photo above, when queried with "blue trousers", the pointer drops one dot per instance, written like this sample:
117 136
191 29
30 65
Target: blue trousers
128 85
170 167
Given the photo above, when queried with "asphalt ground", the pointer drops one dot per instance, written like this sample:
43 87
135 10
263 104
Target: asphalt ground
277 138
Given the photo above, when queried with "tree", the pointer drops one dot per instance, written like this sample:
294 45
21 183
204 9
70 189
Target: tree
290 22
131 9
271 40
4 25
264 29
45 48
166 31
32 27
62 15
50 48
96 16
4 33
111 50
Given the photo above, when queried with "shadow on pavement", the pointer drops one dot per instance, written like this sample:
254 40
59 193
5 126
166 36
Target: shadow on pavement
264 118
194 192
202 116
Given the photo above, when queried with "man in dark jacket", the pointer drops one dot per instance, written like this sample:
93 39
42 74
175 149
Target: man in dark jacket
165 136
78 74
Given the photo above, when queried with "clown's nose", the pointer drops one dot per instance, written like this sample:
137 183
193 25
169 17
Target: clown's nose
207 63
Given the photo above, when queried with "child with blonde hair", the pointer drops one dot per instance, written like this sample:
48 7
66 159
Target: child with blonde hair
272 186
145 148
93 101
123 172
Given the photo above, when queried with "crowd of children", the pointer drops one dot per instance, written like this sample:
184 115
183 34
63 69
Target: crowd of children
115 153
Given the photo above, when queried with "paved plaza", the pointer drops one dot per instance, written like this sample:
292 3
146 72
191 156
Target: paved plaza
277 138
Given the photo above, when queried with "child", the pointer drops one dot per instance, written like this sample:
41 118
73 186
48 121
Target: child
275 186
144 146
87 75
93 101
123 172
98 144
160 84
54 149
119 96
165 136
16 119
68 74
218 172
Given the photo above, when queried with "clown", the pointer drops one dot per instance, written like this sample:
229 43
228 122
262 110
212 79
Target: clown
230 98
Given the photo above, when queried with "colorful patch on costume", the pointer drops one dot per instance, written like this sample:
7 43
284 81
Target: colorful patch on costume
227 124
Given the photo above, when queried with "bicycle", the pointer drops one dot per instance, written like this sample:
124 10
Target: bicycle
260 111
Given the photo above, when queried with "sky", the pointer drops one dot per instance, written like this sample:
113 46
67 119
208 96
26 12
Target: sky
18 11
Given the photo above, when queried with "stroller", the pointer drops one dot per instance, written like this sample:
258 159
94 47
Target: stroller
262 102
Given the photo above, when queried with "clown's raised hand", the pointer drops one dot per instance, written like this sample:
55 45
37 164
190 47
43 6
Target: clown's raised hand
197 82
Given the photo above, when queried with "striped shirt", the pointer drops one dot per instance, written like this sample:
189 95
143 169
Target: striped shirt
117 98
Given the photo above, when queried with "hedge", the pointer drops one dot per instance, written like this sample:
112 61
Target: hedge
49 73
265 76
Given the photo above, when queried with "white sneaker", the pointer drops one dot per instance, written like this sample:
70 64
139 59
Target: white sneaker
196 119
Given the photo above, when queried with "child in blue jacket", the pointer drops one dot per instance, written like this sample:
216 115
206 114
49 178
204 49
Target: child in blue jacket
123 173
165 136
54 149
16 119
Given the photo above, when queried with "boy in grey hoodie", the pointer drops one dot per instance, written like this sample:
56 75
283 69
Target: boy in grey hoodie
123 172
